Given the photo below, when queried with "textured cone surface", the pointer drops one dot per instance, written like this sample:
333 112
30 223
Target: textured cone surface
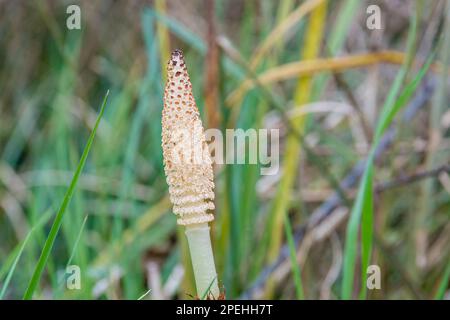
187 162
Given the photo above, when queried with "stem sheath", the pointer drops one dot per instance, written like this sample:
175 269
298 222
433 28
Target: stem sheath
202 260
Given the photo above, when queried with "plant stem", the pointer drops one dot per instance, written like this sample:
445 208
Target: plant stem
202 259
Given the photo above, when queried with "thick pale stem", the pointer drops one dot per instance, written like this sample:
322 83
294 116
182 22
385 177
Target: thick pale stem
202 259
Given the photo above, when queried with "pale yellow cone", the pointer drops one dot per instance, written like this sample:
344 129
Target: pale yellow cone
187 162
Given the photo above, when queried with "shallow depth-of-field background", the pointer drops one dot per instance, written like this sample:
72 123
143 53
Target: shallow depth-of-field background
364 125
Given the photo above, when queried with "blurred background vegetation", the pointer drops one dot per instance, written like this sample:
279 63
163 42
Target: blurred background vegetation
364 133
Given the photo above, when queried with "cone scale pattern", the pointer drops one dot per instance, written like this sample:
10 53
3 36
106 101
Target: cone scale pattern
187 162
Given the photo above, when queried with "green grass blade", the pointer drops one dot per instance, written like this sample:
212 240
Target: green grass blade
77 240
387 117
363 205
10 263
362 202
145 294
292 253
14 265
395 89
72 255
443 285
366 226
59 216
208 290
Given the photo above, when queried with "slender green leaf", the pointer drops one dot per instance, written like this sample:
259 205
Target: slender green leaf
363 205
208 290
77 240
400 77
293 256
12 260
14 265
59 216
145 294
404 97
443 285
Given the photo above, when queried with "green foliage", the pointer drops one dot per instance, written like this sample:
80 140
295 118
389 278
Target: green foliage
60 214
112 211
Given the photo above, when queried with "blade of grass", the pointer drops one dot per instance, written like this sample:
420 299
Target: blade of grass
14 265
389 110
293 256
364 201
19 250
363 204
11 258
59 216
367 215
392 95
77 240
386 120
208 290
145 294
443 285
72 255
